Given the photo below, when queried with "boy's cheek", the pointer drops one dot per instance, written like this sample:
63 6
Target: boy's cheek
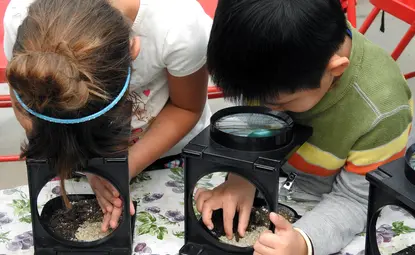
303 106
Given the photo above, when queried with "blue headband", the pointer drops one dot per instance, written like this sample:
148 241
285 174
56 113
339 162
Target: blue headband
79 120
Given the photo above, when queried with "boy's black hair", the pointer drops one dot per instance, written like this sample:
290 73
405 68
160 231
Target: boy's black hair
260 48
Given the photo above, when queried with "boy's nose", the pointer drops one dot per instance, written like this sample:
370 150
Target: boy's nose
276 108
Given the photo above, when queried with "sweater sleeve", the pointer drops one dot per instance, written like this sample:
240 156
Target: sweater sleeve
341 214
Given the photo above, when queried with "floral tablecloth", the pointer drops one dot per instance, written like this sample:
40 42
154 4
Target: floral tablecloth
160 218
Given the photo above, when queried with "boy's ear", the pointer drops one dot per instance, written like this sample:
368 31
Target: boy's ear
134 47
337 65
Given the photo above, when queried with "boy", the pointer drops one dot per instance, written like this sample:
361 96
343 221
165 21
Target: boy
302 57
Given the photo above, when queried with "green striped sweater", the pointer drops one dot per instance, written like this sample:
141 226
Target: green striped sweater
361 123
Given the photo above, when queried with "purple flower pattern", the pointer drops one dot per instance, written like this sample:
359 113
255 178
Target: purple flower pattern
161 217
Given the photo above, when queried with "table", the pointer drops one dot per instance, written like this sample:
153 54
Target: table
160 196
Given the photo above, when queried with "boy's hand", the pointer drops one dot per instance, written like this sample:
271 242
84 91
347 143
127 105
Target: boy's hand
236 194
285 240
109 200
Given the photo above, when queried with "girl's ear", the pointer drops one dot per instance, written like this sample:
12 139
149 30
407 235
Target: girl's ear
134 47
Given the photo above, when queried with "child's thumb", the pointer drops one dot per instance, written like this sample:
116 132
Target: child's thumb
279 222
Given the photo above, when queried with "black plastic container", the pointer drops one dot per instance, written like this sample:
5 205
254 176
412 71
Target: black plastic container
217 217
119 242
57 203
391 184
258 159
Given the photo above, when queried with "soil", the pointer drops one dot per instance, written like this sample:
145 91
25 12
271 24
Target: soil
81 223
258 223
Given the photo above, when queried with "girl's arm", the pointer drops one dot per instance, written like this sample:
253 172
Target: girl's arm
183 54
187 101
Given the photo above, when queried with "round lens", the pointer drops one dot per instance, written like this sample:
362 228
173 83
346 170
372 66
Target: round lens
412 161
250 125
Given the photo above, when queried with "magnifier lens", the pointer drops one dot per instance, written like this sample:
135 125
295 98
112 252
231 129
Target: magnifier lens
250 125
412 161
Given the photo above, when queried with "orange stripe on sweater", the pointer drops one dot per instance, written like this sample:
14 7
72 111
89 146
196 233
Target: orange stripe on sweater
300 164
365 169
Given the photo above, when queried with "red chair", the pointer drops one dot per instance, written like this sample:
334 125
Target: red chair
401 9
3 61
210 7
349 6
4 99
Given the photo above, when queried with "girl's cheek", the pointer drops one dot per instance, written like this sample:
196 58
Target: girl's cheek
23 119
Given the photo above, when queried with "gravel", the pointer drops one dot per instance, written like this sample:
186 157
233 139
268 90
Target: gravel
248 240
90 231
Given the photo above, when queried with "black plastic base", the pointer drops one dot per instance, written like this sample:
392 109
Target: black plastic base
44 245
192 248
64 251
407 251
388 186
213 150
409 171
197 249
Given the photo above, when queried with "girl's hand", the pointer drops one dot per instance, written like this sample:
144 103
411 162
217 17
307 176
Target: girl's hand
111 218
236 194
285 241
109 200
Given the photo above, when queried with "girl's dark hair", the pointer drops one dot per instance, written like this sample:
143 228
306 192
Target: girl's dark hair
260 48
70 60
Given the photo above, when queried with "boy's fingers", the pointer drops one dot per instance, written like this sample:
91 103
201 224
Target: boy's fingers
200 201
268 239
106 222
262 249
244 214
132 208
198 192
115 216
207 211
229 210
279 222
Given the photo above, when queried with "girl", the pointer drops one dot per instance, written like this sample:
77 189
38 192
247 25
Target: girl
70 62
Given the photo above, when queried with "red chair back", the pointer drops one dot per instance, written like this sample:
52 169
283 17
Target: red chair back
209 6
401 9
3 61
